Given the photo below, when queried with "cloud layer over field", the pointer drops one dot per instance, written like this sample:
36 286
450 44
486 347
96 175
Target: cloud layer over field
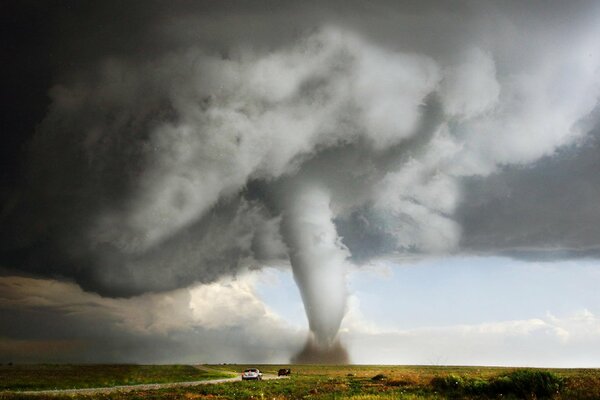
187 144
177 160
222 321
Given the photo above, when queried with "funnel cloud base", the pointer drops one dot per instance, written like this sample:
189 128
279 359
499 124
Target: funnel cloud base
313 353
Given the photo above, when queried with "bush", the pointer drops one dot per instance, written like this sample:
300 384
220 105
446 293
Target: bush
520 383
457 384
528 384
379 377
447 383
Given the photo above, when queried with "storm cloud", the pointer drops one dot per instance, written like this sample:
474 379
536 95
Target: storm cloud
181 144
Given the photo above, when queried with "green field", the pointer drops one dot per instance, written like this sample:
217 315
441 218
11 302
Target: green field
43 376
317 382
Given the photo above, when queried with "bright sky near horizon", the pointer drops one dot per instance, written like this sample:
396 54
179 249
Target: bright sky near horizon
462 310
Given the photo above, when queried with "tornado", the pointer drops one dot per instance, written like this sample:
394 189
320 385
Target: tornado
318 260
216 139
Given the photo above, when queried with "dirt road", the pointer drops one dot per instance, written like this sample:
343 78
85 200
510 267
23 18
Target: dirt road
129 388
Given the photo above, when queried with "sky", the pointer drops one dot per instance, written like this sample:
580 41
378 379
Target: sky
367 182
463 311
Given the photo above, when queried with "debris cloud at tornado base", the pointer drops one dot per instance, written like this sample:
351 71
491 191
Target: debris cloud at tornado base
335 145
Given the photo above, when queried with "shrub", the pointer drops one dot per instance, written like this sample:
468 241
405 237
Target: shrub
447 383
528 384
379 377
523 384
458 384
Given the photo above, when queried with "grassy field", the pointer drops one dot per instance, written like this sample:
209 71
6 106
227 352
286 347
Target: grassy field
42 376
368 383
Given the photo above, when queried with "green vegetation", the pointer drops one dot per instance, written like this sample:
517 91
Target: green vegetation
315 382
47 376
523 384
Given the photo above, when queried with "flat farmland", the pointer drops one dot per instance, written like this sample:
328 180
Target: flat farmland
354 382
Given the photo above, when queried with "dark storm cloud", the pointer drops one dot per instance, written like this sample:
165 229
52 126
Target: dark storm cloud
545 211
175 132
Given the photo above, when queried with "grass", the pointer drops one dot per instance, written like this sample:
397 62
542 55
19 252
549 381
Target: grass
315 382
48 376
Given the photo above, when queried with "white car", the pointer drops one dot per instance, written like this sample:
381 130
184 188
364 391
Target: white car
252 373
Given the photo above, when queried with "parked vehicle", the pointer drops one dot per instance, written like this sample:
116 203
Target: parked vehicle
284 372
252 374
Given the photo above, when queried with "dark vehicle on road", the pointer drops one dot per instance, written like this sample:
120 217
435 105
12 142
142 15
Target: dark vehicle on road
284 372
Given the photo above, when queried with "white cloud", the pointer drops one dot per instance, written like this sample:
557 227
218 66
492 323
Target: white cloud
228 303
470 88
254 115
423 197
549 341
538 111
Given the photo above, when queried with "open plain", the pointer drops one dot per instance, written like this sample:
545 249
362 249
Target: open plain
357 382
